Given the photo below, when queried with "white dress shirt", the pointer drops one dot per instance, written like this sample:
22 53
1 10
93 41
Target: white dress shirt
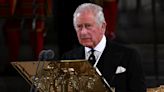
98 50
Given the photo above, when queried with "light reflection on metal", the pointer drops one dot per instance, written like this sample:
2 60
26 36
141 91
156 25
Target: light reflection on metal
69 77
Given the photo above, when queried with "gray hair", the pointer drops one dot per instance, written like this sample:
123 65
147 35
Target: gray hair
95 9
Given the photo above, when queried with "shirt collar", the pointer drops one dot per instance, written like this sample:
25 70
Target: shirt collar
100 46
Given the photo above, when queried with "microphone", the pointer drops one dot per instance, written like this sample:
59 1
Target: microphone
46 55
49 55
43 56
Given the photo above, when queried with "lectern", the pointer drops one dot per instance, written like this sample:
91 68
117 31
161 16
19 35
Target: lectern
61 76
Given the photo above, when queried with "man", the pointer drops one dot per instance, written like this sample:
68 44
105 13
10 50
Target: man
119 65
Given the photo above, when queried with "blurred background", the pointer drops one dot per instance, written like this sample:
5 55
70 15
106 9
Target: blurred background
29 26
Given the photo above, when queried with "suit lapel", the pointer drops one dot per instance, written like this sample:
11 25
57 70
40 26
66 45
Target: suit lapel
109 61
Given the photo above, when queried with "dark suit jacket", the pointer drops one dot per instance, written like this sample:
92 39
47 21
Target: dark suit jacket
114 55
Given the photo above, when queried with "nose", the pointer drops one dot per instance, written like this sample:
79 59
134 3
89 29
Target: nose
84 30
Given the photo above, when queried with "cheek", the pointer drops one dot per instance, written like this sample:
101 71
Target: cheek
97 36
78 35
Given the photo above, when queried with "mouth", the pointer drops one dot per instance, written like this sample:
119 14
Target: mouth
85 39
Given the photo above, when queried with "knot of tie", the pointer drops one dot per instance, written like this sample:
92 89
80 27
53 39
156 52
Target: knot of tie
92 58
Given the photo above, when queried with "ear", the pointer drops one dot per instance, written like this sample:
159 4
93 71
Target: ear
104 26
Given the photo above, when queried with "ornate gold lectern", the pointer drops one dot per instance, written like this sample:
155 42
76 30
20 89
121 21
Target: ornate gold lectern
61 76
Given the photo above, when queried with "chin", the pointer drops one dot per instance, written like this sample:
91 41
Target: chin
87 45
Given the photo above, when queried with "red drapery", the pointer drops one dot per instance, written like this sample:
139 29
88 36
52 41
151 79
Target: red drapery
110 12
15 11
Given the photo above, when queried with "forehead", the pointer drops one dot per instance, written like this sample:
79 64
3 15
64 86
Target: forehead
85 17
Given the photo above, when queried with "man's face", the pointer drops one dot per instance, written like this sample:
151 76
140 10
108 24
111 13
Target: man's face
89 32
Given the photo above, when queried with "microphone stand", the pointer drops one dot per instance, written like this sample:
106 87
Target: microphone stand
38 73
43 56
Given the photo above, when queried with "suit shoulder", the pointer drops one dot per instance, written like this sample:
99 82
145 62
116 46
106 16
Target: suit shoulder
75 50
75 53
122 47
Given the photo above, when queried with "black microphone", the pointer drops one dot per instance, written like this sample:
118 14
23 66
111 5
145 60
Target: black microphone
43 56
49 55
46 55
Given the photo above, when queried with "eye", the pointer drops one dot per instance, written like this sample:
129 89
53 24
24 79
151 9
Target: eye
88 26
79 27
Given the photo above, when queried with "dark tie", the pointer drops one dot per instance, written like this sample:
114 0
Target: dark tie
92 58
